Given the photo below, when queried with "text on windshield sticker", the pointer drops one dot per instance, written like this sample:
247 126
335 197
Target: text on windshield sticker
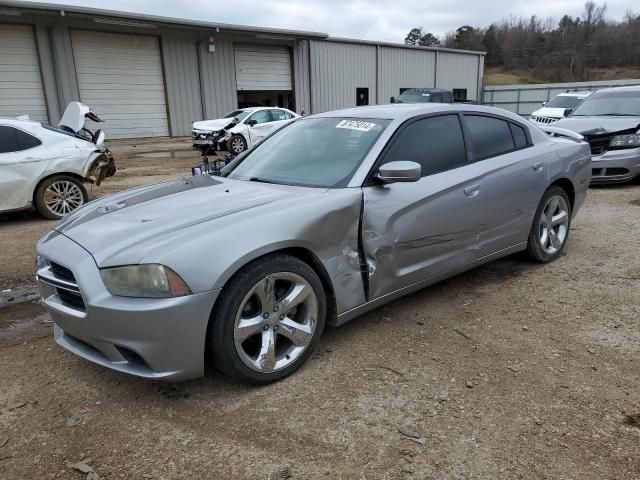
356 125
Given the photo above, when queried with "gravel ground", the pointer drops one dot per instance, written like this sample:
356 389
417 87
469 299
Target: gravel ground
513 370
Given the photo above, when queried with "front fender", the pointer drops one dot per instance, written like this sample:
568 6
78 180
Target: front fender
327 225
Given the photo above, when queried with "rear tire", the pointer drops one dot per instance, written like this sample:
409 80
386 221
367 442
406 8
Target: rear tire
59 195
267 321
551 225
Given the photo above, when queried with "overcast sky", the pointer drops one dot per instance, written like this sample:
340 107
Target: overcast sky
384 20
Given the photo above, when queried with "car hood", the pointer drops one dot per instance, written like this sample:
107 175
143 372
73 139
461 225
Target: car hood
213 125
549 112
120 229
598 125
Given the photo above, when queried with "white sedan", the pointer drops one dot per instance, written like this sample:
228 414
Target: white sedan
47 167
239 130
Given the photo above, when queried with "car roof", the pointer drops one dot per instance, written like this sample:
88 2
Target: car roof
255 109
403 111
629 88
17 121
437 90
575 94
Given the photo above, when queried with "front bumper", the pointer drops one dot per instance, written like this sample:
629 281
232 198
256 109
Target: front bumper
615 166
151 338
202 140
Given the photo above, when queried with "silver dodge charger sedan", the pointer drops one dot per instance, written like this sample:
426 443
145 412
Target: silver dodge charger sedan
327 218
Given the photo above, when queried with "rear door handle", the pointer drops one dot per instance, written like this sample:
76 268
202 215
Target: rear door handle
472 190
538 166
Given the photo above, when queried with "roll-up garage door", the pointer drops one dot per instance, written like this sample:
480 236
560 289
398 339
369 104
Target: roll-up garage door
263 67
120 77
21 91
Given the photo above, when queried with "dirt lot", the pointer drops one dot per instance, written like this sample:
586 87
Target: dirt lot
513 370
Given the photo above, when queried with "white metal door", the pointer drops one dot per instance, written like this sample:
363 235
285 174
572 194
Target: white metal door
120 77
263 67
21 91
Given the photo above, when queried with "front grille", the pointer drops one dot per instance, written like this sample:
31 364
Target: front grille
598 143
617 171
64 282
63 273
71 299
546 120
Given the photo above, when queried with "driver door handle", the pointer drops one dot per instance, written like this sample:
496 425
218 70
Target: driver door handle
472 190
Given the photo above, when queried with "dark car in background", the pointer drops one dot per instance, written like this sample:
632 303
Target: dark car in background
424 95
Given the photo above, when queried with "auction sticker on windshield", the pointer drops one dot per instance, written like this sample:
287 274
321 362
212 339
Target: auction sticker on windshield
356 125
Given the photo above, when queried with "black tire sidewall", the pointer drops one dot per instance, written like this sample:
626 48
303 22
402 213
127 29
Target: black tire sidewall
39 195
534 249
220 341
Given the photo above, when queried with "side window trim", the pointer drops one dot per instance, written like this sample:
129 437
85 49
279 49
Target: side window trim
497 117
369 180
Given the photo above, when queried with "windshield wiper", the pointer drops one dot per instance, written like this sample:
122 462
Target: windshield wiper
261 180
618 115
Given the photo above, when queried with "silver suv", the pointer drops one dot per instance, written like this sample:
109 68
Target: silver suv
609 119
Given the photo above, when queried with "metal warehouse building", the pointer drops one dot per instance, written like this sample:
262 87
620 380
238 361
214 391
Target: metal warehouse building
150 76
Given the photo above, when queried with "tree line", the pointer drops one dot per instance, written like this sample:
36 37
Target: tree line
564 50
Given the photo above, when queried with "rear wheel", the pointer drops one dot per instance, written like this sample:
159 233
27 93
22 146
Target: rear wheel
59 195
551 224
268 320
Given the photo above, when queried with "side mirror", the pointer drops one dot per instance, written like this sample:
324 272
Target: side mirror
544 103
567 111
98 137
251 123
400 171
392 99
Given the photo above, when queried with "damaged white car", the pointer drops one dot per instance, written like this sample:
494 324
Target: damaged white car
46 167
239 130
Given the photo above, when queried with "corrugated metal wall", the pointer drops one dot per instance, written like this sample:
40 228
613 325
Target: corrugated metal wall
337 69
182 71
404 68
301 76
202 84
457 70
218 74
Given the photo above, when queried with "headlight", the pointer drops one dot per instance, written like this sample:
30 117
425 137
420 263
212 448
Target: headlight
41 262
144 281
628 141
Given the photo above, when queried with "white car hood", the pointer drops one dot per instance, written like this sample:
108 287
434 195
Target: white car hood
212 125
549 112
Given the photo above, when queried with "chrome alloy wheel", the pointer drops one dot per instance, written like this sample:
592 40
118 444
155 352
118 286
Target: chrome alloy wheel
554 224
63 197
237 145
275 322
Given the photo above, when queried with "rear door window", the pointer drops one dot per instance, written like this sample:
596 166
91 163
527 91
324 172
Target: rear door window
489 136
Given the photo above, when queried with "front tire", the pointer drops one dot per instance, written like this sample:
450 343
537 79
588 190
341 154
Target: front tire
551 224
236 144
59 195
268 320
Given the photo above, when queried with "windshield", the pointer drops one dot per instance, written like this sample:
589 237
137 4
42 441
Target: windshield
313 152
239 114
623 103
563 102
414 97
